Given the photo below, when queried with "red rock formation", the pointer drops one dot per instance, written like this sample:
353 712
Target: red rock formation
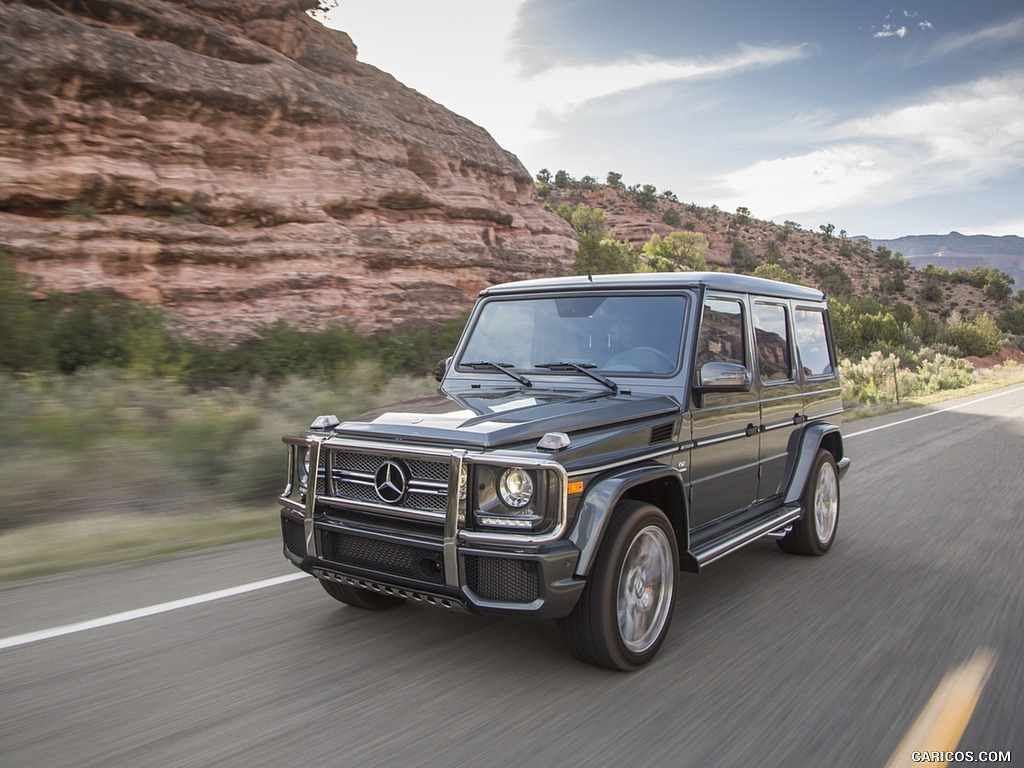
233 162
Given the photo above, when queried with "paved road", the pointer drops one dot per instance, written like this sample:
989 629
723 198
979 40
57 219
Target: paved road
774 660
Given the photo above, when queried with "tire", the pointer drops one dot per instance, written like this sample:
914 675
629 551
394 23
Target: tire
623 615
360 598
815 531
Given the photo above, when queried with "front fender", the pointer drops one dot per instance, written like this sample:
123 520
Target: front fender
596 509
813 437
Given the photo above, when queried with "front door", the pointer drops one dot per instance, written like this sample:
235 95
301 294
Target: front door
724 458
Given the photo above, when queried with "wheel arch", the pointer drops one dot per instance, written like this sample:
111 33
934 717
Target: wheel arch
658 485
811 439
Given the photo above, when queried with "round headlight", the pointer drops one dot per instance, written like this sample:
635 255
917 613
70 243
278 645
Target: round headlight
516 487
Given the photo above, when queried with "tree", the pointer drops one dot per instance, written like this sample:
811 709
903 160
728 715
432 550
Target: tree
775 272
562 179
602 254
584 219
671 217
544 176
742 257
614 180
676 252
742 215
645 195
24 346
827 230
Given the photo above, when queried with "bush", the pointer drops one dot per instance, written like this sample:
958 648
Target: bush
880 378
977 338
742 257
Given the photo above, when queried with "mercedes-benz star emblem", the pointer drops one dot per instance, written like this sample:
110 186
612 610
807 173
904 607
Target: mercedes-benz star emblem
391 482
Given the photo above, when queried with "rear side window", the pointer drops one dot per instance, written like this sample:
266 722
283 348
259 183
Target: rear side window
812 343
771 337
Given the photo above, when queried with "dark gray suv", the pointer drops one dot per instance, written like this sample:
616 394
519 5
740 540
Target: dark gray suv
590 438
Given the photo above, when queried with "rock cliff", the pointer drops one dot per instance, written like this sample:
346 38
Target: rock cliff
233 162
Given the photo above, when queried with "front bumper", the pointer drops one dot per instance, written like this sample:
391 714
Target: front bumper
491 580
418 552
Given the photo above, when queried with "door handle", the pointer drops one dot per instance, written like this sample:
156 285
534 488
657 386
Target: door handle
752 430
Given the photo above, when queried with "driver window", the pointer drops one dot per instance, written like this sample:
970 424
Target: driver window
721 333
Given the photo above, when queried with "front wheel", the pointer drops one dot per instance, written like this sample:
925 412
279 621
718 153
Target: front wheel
625 610
815 531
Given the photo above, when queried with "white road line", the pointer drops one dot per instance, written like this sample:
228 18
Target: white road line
140 613
933 413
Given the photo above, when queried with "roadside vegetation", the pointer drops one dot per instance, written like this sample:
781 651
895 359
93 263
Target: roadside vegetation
125 438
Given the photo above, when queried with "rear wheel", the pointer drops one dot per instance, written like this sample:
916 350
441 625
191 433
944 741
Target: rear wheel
815 531
625 610
360 598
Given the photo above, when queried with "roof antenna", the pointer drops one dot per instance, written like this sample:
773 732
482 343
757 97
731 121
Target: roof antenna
590 277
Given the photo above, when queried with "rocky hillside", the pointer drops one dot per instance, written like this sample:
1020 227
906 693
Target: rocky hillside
234 163
739 242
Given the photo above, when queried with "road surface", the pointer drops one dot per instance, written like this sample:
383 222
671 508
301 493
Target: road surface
773 659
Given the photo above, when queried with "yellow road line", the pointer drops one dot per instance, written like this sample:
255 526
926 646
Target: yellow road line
943 720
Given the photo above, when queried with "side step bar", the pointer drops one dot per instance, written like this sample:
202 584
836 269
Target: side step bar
728 542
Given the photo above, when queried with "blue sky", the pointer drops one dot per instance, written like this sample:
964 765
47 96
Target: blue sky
882 120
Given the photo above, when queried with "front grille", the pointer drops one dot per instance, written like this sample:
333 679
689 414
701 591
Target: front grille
402 560
354 473
294 535
503 578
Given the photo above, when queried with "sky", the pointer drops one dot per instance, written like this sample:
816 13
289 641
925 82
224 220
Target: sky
881 120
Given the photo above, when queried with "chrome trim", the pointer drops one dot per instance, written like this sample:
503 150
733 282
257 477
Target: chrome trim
405 513
561 520
315 445
787 424
720 439
389 449
631 461
454 518
743 537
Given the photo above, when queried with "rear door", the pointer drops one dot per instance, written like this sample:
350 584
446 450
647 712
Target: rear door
782 405
818 369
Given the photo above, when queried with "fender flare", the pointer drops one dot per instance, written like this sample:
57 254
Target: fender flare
810 440
597 507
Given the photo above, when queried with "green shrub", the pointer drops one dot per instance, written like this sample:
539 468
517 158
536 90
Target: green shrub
978 337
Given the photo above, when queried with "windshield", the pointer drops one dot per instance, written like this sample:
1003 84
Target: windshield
613 334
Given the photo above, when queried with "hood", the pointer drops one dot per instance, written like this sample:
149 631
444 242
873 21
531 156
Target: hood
493 418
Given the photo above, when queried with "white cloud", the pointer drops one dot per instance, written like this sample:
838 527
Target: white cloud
888 30
955 138
469 66
1011 31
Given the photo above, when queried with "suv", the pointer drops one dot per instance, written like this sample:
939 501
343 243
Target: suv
590 438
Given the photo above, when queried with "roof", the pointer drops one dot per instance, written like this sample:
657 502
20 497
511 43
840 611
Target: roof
718 281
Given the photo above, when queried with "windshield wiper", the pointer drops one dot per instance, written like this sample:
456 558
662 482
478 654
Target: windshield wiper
505 368
583 368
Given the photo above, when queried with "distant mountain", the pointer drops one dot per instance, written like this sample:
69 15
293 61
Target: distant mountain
954 251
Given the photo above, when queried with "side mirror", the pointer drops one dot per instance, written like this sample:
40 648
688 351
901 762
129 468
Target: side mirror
441 368
720 376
